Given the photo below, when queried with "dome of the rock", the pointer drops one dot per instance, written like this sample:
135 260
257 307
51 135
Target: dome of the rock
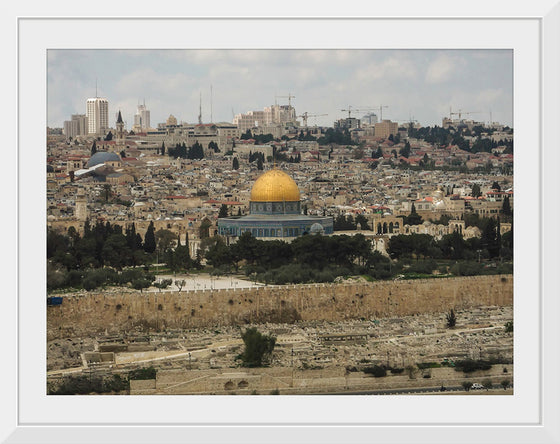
275 186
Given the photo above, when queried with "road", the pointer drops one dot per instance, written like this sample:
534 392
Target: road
412 391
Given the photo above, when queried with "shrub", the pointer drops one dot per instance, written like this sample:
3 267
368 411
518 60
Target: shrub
163 284
469 365
85 384
451 319
508 326
140 284
424 267
142 373
425 365
377 371
412 371
258 347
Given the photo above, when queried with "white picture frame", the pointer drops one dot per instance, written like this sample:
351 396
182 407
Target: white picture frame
28 416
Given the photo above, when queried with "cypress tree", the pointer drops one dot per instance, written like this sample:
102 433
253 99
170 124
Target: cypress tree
223 211
150 239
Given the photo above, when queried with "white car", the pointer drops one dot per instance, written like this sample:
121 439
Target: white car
476 386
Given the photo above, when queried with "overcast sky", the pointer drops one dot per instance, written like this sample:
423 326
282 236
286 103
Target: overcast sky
417 84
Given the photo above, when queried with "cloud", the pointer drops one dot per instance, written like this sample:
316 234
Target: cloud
390 69
411 82
441 69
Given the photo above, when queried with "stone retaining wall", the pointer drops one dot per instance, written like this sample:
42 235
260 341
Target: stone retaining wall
115 312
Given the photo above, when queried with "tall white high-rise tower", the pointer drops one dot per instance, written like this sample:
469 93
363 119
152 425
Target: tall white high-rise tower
142 118
97 112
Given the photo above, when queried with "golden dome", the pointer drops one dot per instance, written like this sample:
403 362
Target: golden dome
275 186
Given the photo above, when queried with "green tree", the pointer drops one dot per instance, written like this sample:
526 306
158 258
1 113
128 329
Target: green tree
487 383
413 218
219 254
475 190
506 207
453 246
164 240
106 192
180 284
163 284
141 283
93 148
150 239
405 151
258 348
362 220
466 385
260 164
491 238
223 211
451 319
505 383
247 135
162 148
235 163
180 258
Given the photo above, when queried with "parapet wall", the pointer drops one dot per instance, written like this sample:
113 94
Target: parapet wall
116 312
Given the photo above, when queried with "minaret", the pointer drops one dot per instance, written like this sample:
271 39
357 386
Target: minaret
119 136
80 212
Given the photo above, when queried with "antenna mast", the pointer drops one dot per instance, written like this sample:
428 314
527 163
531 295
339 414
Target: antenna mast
200 110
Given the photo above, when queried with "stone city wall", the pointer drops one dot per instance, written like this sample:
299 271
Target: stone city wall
286 381
88 314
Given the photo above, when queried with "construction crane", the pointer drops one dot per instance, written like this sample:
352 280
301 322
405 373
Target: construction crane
363 110
409 121
380 109
305 116
461 112
289 97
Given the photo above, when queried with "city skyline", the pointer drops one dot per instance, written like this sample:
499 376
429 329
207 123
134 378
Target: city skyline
414 84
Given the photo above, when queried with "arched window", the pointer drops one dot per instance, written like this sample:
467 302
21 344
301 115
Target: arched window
390 227
379 230
384 227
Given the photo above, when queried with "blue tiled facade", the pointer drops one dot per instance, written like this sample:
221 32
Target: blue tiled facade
273 225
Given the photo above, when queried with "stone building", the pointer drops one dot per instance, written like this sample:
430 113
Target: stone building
275 212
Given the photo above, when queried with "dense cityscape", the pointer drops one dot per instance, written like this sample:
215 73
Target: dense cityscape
272 255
